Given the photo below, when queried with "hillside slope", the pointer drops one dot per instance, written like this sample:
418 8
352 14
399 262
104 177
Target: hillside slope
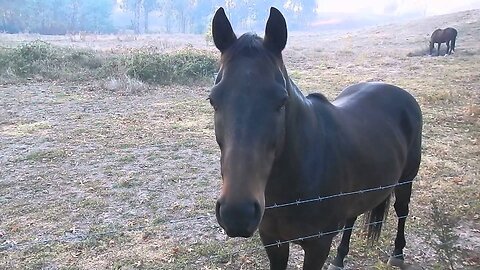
401 37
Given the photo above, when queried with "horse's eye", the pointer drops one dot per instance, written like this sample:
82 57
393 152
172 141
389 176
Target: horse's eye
282 105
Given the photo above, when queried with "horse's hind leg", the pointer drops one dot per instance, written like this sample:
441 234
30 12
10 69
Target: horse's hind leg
402 199
438 49
403 193
343 248
448 48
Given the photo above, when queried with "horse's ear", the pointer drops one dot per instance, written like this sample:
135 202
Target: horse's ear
222 32
275 32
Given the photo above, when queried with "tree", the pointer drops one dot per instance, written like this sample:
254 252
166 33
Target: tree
148 6
74 15
136 7
10 13
201 16
182 8
166 7
141 8
56 16
309 10
95 15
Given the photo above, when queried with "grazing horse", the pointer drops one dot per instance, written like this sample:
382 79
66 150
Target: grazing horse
447 36
278 146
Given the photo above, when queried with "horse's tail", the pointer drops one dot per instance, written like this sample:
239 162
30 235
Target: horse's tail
375 218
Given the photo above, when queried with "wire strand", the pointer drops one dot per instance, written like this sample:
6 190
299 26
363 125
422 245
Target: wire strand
319 199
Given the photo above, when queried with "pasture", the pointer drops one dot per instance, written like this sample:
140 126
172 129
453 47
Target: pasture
114 173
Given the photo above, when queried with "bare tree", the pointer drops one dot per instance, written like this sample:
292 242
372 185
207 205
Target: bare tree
136 7
148 6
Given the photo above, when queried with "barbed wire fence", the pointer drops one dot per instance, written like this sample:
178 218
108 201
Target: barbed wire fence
11 245
307 237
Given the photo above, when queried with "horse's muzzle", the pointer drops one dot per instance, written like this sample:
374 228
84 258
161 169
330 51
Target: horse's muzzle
238 219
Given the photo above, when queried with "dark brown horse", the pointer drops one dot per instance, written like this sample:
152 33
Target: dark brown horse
447 36
278 146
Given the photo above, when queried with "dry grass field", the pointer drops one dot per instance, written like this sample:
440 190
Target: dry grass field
118 174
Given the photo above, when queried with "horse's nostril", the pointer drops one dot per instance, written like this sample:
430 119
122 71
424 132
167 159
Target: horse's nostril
217 207
258 210
218 213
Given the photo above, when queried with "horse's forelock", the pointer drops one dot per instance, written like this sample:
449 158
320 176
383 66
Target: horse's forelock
248 45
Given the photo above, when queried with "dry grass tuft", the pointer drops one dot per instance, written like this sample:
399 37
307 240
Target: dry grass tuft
125 86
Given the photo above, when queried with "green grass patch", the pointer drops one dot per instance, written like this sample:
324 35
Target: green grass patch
46 155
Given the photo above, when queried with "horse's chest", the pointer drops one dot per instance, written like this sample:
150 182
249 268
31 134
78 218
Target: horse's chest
297 223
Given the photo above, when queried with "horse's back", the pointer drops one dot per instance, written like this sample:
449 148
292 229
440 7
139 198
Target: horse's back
379 110
378 99
443 35
377 96
451 32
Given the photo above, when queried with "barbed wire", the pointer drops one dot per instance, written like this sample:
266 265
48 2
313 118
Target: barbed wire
307 237
341 194
321 234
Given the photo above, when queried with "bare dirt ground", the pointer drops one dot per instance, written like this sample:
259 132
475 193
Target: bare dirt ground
98 177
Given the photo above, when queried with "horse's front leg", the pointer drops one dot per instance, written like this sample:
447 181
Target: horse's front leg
316 252
277 254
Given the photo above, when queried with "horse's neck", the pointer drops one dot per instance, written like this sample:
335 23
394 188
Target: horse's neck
305 141
302 144
302 114
305 123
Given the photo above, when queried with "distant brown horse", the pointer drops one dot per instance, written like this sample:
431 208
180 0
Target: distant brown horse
447 36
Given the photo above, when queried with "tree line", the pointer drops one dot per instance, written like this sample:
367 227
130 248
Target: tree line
183 16
56 16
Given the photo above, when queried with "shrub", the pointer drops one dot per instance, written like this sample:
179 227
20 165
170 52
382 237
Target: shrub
84 59
182 67
5 60
28 59
41 60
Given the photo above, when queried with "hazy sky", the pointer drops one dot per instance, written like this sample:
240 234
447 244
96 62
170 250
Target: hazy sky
397 7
